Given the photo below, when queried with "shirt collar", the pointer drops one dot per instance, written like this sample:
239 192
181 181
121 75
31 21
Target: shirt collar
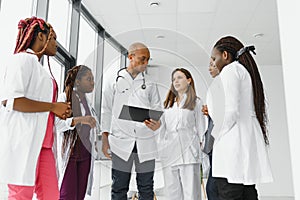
182 102
125 73
30 51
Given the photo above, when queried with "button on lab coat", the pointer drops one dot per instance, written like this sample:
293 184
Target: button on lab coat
22 133
239 152
124 133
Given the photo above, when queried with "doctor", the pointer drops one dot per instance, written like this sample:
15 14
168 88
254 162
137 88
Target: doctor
182 129
76 140
130 141
27 115
211 187
240 157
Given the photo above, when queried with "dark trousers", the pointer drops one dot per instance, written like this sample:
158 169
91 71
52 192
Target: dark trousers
75 180
230 191
211 185
121 173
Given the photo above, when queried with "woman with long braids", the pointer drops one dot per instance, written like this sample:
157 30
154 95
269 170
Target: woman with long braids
76 145
28 109
240 157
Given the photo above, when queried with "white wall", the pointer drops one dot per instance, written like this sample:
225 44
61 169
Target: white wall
279 151
288 17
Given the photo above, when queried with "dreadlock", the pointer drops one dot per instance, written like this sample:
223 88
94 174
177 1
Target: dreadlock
75 73
233 46
190 102
28 31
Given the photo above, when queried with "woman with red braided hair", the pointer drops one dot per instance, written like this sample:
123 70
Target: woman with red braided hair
28 109
240 158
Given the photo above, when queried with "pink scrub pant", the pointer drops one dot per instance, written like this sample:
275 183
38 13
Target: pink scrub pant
46 183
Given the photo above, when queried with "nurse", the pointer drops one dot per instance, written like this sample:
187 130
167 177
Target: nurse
240 158
182 129
211 187
76 139
27 115
129 141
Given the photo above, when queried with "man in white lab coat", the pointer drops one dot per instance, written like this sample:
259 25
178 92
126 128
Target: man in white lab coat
130 141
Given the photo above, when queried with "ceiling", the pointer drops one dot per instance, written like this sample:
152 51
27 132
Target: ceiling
190 27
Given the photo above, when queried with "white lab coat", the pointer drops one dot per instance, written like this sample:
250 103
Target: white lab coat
239 153
22 134
181 132
124 133
63 125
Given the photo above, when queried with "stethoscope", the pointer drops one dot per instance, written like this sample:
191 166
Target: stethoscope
143 86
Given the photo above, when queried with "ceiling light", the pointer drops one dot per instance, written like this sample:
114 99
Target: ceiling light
258 35
160 36
154 4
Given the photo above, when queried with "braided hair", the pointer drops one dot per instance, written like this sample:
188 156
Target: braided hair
190 102
28 31
238 52
75 73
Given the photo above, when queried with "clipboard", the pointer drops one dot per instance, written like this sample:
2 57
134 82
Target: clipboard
138 114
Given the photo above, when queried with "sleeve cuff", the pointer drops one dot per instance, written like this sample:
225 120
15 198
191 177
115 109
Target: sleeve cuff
69 123
103 131
10 104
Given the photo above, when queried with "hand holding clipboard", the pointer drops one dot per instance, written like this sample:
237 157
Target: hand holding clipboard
148 116
139 114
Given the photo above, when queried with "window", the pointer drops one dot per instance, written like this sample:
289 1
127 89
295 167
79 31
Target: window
59 15
58 71
86 44
112 59
10 16
87 51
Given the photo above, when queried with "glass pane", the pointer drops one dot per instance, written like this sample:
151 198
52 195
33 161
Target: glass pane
59 16
86 44
112 59
58 72
87 51
10 15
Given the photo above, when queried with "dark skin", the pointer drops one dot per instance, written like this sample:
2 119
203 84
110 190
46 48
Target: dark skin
218 60
85 85
24 104
138 63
